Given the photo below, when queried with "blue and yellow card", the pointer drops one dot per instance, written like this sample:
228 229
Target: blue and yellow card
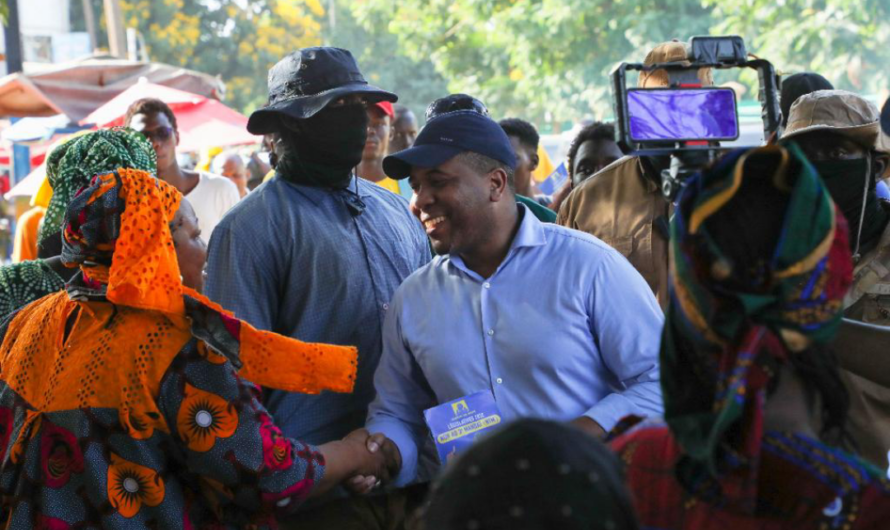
456 425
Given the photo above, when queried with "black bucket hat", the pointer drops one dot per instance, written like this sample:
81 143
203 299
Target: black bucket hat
305 81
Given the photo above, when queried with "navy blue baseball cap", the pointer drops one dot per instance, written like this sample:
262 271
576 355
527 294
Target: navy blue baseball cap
449 135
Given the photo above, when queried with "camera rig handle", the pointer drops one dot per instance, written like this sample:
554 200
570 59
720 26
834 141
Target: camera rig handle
718 53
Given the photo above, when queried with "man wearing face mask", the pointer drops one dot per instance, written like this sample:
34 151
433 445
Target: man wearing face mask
316 251
623 205
839 133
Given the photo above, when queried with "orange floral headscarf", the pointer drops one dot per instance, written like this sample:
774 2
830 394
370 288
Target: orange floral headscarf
118 231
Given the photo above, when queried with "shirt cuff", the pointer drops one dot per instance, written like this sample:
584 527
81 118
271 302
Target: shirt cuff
404 440
610 410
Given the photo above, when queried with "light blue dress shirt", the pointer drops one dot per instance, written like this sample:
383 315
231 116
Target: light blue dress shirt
564 328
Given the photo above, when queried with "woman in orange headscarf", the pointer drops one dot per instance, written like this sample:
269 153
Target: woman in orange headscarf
124 399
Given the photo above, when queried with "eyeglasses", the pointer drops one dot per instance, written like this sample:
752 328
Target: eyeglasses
160 134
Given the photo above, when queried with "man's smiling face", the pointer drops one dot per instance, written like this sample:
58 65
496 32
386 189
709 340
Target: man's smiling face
452 201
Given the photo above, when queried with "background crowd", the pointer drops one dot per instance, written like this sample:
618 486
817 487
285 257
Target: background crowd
258 348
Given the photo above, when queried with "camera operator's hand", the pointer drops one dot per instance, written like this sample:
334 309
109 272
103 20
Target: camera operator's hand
379 444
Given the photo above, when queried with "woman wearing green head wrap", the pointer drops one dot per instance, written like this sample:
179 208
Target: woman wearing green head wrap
71 166
754 405
22 283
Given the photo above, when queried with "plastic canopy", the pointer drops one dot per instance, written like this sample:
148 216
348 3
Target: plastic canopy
79 87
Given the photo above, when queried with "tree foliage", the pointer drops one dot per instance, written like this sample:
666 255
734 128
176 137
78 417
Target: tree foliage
548 60
541 59
847 41
381 57
238 40
545 60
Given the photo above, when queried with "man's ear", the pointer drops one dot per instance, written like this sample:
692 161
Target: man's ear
176 135
499 183
534 160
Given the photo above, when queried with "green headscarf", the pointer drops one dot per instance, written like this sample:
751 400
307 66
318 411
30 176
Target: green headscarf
71 166
753 281
25 282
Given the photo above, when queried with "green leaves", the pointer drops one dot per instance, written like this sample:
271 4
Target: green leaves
239 40
544 60
549 60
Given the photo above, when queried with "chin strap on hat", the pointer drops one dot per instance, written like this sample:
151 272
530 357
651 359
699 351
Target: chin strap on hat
856 255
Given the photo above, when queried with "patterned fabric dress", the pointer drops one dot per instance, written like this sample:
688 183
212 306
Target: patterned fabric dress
125 401
802 484
741 308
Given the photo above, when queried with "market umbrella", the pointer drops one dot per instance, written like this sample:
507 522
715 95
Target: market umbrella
202 122
79 87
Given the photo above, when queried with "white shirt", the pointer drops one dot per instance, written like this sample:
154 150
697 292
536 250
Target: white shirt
211 199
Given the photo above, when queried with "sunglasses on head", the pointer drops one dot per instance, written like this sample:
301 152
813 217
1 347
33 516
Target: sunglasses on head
160 134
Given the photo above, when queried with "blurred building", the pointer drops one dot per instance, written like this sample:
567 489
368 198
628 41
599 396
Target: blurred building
46 34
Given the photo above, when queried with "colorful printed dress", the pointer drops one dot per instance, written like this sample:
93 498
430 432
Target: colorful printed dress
801 484
130 421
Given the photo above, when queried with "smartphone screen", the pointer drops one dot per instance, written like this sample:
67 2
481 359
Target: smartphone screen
682 114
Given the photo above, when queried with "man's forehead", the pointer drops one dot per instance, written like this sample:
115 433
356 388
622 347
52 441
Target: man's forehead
406 119
375 112
421 172
418 172
233 160
596 146
149 120
827 139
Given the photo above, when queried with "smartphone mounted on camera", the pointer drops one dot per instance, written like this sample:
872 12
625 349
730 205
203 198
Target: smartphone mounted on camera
686 121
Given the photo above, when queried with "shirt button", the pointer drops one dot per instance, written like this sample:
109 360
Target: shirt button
386 307
490 332
499 380
486 285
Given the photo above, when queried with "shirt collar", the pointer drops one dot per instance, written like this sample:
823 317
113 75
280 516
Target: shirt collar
531 230
530 234
356 183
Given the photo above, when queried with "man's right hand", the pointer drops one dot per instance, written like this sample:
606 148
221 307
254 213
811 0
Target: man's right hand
376 445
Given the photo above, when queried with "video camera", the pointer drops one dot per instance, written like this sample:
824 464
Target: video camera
686 121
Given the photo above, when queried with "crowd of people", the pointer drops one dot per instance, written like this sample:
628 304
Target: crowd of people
710 363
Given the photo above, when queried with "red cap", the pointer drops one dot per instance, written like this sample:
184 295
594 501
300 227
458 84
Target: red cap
386 107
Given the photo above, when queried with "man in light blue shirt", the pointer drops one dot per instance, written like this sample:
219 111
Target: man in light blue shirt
555 323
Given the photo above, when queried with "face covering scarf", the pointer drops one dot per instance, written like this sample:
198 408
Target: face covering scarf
729 327
846 180
323 150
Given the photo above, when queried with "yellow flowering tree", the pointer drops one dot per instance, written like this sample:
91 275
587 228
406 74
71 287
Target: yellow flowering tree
238 40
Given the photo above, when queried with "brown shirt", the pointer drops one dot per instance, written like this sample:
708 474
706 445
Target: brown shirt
622 208
869 301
